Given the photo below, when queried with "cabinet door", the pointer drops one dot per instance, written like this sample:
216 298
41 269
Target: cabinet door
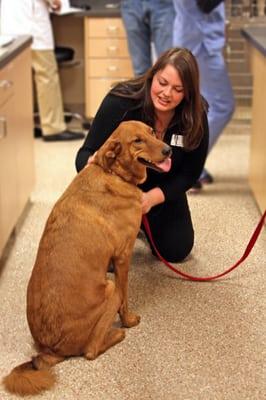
8 172
23 127
16 142
96 91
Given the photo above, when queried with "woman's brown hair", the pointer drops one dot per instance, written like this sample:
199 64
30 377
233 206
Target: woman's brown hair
190 110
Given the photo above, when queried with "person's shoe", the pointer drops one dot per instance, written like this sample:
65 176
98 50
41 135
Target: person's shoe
196 188
37 132
206 178
64 136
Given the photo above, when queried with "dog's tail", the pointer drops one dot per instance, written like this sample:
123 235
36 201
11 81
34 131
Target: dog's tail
32 377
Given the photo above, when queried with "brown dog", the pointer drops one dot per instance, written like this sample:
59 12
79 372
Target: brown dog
71 305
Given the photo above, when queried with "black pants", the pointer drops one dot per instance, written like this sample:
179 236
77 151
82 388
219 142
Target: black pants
172 229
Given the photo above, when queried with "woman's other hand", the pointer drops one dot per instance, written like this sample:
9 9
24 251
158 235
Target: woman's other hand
151 198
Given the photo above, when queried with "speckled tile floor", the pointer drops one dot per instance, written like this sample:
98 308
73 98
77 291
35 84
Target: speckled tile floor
196 341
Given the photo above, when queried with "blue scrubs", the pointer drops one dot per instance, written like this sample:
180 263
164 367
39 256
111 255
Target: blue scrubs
204 35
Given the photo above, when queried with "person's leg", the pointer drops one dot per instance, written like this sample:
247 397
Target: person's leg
137 25
48 92
172 229
217 89
162 22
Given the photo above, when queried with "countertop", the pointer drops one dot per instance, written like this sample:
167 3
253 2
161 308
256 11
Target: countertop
97 8
8 52
256 35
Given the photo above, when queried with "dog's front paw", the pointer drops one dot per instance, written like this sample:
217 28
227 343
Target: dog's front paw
91 355
130 320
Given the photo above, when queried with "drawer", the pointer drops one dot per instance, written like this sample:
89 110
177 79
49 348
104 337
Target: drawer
96 89
104 27
109 68
107 48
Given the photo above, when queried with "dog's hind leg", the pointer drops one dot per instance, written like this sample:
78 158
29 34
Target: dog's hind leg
114 336
103 335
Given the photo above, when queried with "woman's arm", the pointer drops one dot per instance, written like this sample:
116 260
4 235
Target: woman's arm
108 117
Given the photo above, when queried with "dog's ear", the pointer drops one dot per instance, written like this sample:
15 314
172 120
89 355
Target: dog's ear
107 154
114 147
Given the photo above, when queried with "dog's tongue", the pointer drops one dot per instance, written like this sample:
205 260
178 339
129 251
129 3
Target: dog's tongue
165 165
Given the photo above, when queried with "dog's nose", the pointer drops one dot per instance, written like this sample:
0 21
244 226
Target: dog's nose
167 151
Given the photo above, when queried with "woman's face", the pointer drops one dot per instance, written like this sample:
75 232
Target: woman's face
167 89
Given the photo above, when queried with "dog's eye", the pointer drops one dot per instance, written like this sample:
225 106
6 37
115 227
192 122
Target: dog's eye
138 140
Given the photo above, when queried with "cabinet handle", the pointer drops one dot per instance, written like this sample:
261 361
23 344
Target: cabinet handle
112 28
112 49
112 68
6 84
3 127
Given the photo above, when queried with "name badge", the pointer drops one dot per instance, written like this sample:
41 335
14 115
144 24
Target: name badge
177 140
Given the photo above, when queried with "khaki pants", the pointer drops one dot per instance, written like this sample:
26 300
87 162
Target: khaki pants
48 91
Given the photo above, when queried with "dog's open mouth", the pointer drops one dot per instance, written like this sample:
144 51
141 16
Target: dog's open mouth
163 166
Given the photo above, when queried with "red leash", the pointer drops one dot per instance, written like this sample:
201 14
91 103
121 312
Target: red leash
249 247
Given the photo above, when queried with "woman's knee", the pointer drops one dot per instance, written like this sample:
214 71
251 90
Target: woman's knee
175 252
176 256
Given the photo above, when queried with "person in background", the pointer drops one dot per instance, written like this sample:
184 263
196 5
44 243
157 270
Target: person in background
201 29
166 97
147 22
31 17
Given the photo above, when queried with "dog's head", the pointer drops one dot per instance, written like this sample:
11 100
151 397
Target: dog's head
132 148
